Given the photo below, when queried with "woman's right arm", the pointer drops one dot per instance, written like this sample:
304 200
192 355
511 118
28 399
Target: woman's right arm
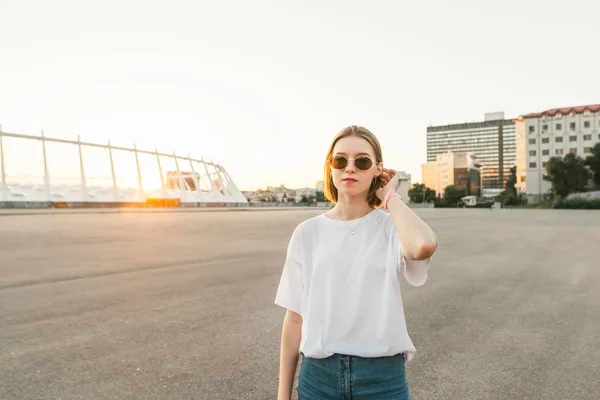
291 334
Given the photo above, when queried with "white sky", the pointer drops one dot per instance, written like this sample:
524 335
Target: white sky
263 86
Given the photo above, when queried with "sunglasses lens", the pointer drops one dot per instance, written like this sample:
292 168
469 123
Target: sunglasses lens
339 162
363 163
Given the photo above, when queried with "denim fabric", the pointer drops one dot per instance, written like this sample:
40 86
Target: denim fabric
343 377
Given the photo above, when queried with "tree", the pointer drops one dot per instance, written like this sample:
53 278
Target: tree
419 193
593 162
509 196
304 199
578 175
453 194
568 175
320 196
511 182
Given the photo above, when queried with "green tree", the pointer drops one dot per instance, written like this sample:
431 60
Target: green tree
419 193
320 196
509 196
511 182
453 194
577 173
568 175
593 162
304 199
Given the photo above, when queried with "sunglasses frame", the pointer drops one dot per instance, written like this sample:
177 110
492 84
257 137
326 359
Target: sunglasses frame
354 160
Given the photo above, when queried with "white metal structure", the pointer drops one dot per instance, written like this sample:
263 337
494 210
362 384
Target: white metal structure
193 182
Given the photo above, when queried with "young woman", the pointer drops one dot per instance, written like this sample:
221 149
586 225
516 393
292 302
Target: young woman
341 281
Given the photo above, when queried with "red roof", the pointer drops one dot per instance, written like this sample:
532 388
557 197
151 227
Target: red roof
565 110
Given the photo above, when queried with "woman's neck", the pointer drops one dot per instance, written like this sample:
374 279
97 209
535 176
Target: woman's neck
349 208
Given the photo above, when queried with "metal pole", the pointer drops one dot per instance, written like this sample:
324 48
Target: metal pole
213 188
4 196
223 187
83 183
139 171
180 179
195 178
162 178
46 173
231 185
114 176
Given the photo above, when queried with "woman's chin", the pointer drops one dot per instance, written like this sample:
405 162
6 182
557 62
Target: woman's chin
351 191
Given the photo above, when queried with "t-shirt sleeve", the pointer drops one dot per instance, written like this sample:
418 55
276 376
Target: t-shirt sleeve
289 292
415 272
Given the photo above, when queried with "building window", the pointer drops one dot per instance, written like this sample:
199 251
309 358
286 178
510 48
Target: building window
531 129
545 127
572 138
559 152
559 139
546 152
531 141
545 140
532 165
573 150
532 153
572 126
587 150
558 127
586 124
587 137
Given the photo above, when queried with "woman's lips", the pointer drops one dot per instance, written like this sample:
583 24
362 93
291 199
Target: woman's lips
349 180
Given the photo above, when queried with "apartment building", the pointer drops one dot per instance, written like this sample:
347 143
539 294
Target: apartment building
555 133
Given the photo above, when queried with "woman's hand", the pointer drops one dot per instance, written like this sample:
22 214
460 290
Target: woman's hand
390 181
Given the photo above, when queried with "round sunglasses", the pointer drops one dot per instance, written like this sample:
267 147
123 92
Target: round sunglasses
340 162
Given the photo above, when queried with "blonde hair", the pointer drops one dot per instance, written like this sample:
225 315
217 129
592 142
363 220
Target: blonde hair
330 191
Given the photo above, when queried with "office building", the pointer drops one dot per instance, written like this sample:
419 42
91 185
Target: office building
555 133
491 141
521 160
460 169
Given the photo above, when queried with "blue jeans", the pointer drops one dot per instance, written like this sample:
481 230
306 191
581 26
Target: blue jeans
343 377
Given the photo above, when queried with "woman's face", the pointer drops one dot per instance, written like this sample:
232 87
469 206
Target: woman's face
351 179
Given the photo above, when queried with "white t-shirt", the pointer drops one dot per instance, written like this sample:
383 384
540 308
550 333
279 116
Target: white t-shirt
346 286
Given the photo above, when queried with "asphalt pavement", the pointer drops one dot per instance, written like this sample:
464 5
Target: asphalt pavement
179 305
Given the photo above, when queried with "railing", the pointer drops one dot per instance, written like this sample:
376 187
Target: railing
191 181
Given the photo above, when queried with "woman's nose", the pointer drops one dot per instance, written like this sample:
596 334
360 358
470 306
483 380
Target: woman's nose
350 166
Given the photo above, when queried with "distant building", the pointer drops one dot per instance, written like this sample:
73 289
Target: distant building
461 169
308 192
405 184
555 133
492 141
521 160
429 174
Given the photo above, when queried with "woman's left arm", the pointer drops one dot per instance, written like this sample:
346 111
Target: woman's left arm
418 240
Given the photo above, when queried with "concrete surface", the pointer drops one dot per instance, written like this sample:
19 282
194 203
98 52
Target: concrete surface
180 305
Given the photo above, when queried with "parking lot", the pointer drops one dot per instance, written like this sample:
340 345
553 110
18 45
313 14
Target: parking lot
179 305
